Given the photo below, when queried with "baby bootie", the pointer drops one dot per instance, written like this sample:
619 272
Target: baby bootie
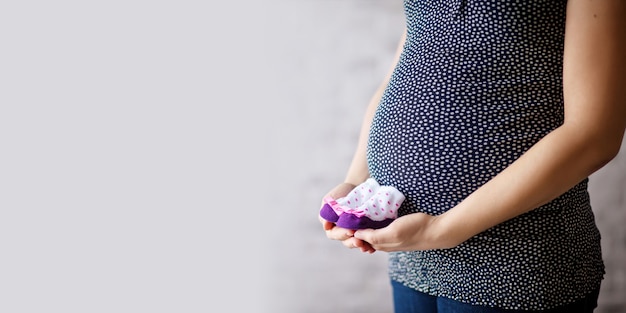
369 205
333 208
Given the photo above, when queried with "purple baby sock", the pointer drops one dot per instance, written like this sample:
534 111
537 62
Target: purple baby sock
327 211
368 205
351 221
331 210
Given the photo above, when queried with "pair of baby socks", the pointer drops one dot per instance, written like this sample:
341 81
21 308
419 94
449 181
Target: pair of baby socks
368 205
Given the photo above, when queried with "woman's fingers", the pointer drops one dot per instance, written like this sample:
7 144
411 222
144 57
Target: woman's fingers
338 233
334 232
354 243
346 236
326 224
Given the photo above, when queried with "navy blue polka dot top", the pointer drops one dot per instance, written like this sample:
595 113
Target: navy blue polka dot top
478 83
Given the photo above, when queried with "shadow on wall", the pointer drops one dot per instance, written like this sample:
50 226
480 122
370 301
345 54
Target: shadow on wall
607 189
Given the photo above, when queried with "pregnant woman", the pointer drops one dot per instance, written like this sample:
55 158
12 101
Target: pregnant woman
489 123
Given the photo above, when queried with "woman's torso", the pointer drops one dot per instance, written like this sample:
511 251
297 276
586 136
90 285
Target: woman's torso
478 83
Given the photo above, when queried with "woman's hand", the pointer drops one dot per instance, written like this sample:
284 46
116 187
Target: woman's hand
417 231
346 236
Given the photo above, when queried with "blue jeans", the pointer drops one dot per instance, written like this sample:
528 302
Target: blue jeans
407 300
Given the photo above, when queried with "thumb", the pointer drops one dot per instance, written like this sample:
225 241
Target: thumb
366 235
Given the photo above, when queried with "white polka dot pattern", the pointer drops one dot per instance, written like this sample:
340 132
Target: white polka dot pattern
372 200
478 83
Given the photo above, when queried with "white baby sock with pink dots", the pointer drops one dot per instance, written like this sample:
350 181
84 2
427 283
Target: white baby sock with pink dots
369 205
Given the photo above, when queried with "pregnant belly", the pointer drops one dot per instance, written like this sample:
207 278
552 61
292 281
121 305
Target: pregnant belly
440 153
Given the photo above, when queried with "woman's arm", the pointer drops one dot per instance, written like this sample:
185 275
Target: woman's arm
594 86
358 171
